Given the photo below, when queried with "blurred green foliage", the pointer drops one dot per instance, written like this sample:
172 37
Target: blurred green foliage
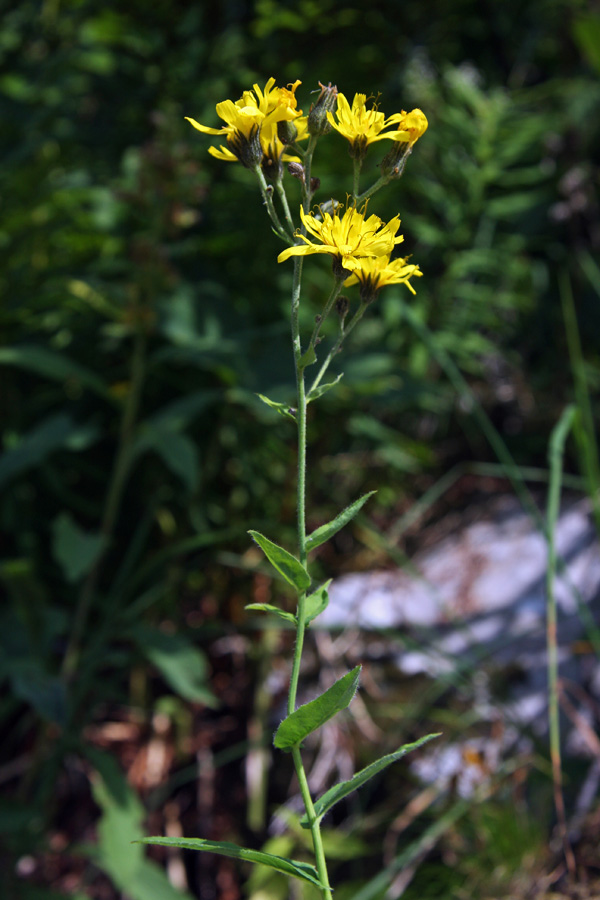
142 308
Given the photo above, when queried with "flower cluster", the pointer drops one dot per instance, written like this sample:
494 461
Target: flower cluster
252 128
350 238
362 126
260 126
361 248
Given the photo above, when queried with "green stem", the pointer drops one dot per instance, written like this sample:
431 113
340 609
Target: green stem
357 166
585 433
336 347
297 148
385 179
313 820
376 186
266 191
301 480
335 292
279 187
555 458
307 193
301 608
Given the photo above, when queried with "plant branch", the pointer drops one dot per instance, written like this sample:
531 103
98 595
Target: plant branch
338 344
266 191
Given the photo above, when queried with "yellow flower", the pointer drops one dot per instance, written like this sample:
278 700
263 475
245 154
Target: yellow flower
251 123
350 238
413 124
374 274
362 126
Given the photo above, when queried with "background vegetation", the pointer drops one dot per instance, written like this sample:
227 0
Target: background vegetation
141 311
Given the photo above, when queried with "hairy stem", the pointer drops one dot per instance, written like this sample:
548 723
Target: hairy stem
337 346
301 479
313 820
308 192
357 166
335 292
279 187
301 608
381 182
266 191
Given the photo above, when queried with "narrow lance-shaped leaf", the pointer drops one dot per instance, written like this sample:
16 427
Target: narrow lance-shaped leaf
286 564
269 608
301 870
324 532
341 790
310 716
321 389
316 602
283 409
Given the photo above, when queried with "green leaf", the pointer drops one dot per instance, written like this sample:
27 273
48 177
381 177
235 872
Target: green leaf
178 452
311 716
341 790
286 564
51 434
317 602
52 365
301 870
283 409
182 665
74 549
324 532
45 692
268 608
119 827
586 31
307 359
322 389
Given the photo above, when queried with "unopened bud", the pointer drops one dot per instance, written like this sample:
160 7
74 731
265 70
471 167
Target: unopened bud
287 132
327 102
392 165
315 184
296 170
342 305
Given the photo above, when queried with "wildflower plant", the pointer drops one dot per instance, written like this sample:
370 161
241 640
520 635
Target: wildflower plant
267 133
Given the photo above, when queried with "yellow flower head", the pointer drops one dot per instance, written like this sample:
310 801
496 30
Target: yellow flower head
375 273
350 238
251 123
413 124
362 126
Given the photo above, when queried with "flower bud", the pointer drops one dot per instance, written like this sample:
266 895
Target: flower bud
296 170
286 132
392 165
342 305
317 117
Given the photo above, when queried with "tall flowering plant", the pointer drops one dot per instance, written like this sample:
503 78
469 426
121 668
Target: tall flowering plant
267 133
